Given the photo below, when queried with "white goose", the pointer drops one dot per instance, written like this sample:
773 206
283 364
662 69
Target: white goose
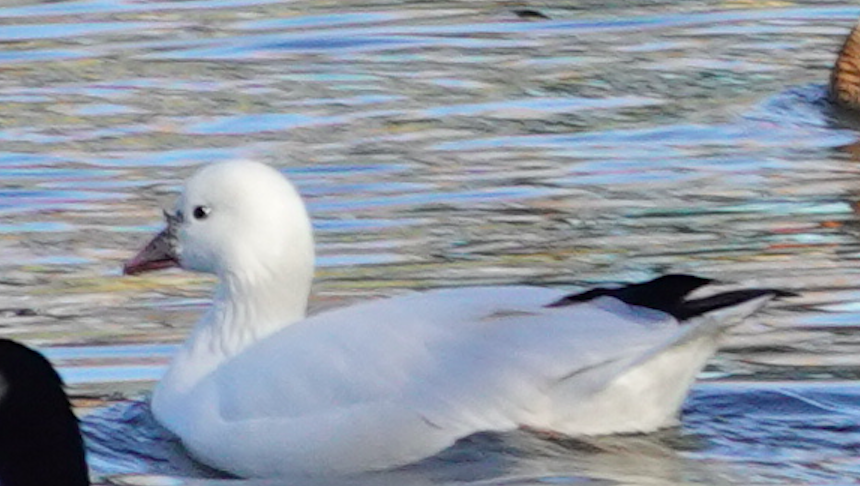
261 390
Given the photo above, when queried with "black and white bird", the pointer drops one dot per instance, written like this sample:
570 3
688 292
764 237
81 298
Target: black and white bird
260 389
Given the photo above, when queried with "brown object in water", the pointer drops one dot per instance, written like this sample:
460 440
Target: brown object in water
845 78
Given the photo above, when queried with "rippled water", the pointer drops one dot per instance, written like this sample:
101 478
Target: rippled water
451 143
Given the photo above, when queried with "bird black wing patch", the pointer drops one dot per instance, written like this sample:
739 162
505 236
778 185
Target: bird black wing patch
668 294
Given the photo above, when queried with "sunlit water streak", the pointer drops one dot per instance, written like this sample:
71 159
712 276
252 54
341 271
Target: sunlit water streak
444 144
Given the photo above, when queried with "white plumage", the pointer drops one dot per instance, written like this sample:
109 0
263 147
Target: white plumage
260 390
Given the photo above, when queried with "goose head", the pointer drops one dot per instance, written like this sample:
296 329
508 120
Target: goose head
232 218
244 222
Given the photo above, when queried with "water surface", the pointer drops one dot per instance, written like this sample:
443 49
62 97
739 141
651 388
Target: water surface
451 143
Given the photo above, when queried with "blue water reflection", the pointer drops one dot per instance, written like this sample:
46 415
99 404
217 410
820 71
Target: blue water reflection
451 144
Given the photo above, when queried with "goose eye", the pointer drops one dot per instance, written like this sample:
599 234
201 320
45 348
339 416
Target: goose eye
201 212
